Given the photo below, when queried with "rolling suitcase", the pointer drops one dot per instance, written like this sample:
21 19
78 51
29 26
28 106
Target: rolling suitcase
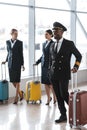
77 107
4 87
33 90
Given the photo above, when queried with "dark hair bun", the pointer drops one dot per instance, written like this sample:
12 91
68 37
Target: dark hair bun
50 32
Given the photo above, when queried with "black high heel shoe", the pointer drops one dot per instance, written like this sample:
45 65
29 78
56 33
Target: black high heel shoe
22 97
15 101
54 102
49 101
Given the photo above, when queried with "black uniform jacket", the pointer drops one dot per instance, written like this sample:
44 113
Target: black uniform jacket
44 59
15 55
59 64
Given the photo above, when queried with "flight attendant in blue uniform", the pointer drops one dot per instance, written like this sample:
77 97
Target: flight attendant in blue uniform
44 60
60 71
15 62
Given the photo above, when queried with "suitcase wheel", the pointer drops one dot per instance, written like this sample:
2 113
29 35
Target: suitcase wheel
70 125
40 101
4 101
33 102
27 101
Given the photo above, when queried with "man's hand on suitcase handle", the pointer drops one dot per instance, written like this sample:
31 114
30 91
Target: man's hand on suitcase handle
34 64
74 70
3 62
23 68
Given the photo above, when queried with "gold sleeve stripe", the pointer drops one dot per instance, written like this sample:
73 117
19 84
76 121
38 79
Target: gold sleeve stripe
77 63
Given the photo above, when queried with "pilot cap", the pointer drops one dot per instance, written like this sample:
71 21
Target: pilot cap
59 25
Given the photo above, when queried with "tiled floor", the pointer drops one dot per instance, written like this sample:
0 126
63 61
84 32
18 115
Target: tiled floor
31 116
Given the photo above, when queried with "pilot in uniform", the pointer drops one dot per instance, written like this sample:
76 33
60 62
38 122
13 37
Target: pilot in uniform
60 71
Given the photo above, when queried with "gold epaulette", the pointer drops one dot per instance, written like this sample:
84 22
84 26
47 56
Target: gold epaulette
77 63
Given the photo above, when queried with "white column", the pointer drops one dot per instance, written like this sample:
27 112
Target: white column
73 27
31 35
73 20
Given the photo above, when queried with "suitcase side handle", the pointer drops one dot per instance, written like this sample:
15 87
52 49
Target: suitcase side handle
2 77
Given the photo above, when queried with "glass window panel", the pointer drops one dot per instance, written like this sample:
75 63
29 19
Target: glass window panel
21 2
58 4
46 22
81 29
81 37
82 5
12 17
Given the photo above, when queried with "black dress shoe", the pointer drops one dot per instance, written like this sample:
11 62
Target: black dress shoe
61 119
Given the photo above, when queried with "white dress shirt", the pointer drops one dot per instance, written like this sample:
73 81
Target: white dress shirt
12 43
47 44
59 44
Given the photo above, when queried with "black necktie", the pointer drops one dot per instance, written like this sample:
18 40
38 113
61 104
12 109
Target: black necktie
56 48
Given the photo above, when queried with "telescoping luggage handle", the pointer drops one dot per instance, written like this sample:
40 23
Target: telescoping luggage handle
2 77
36 72
74 81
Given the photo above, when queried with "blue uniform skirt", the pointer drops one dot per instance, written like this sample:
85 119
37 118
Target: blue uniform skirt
45 76
14 75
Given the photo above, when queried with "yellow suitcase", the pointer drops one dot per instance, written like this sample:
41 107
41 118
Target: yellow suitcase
33 91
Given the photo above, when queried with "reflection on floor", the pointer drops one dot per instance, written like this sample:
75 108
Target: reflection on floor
31 116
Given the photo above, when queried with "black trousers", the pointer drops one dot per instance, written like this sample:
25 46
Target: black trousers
62 94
